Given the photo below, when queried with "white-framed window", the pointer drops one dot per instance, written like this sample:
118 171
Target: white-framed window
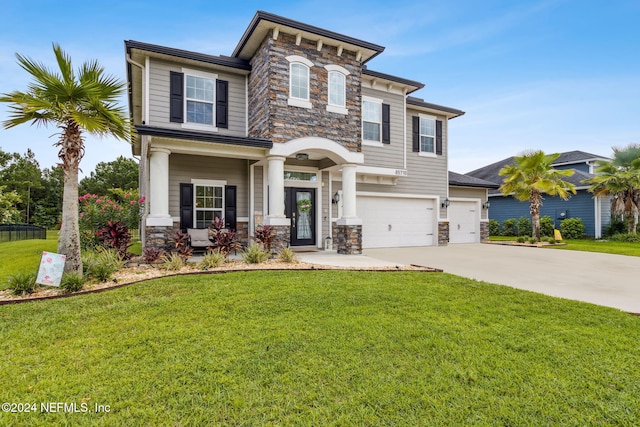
208 201
299 81
199 99
427 134
337 88
372 120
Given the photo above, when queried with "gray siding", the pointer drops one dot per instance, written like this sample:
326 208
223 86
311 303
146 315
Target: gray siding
258 205
182 168
159 97
389 155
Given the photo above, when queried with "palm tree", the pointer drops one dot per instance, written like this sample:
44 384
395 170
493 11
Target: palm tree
73 102
620 179
530 176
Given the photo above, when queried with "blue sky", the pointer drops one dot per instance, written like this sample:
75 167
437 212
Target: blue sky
556 75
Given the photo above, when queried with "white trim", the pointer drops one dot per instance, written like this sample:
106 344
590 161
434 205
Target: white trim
242 219
427 154
252 199
246 105
208 182
372 143
375 170
155 221
147 63
371 100
199 126
597 206
338 68
204 75
349 221
404 129
297 102
478 214
298 58
420 134
336 152
395 195
336 109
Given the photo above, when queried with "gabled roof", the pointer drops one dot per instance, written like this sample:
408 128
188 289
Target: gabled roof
224 61
451 113
411 84
490 172
460 180
263 22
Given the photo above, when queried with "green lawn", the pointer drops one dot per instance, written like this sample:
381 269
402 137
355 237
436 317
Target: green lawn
24 255
618 248
321 348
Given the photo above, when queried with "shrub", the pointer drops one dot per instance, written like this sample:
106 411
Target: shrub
532 240
173 262
524 226
264 235
572 228
626 237
72 282
509 227
23 283
288 256
617 226
521 239
254 254
114 234
546 226
222 239
551 240
182 248
212 259
96 210
102 264
151 254
494 227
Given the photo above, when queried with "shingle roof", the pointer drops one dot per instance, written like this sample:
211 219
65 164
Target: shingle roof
460 180
577 157
418 102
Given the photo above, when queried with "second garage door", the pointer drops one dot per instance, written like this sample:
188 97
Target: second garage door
389 222
464 222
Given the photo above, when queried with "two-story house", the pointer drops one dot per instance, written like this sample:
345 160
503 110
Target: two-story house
294 131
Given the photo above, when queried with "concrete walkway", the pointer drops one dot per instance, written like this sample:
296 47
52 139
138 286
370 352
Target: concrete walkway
603 279
335 260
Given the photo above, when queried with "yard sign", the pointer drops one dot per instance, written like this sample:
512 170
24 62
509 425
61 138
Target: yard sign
51 269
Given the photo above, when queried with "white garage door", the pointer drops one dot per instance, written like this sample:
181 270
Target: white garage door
389 222
464 222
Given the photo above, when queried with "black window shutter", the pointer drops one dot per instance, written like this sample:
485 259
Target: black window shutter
186 206
176 92
222 104
416 133
386 124
230 211
439 137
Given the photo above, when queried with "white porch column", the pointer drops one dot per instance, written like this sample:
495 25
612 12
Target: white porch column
159 188
349 216
276 192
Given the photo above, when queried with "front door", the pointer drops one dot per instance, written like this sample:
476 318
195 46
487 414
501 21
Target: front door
300 208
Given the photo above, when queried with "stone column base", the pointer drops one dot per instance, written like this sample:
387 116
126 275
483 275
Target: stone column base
160 237
484 231
282 238
443 233
348 239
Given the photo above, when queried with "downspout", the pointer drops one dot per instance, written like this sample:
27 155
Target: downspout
404 130
252 172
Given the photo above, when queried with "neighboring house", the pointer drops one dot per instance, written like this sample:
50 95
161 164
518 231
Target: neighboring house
468 208
294 131
595 212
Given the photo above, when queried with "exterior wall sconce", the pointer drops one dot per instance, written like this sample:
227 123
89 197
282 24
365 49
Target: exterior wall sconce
336 198
445 203
486 205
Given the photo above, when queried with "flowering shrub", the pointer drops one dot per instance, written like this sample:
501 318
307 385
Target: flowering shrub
96 211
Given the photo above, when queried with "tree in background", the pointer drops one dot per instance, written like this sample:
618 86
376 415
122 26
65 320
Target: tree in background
22 174
530 176
75 103
8 211
120 173
620 179
48 209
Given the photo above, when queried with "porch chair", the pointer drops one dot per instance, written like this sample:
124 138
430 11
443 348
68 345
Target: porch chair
199 238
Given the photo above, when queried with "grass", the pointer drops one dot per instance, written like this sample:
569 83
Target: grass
321 348
608 247
24 256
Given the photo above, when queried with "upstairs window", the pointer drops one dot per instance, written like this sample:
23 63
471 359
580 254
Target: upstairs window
199 100
371 119
427 135
299 81
337 89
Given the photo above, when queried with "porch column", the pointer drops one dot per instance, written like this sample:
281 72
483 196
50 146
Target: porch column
159 188
349 216
276 192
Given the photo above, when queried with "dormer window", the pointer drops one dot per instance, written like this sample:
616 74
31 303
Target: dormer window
299 81
337 79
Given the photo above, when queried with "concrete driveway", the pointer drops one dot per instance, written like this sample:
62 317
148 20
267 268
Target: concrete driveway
603 279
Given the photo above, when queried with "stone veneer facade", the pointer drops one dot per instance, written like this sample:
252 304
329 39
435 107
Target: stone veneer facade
443 233
484 231
348 240
271 117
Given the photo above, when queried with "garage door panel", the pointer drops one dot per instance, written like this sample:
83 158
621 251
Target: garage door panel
396 222
464 222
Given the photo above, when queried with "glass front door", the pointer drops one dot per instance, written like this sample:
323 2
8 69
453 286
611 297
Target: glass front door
300 208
